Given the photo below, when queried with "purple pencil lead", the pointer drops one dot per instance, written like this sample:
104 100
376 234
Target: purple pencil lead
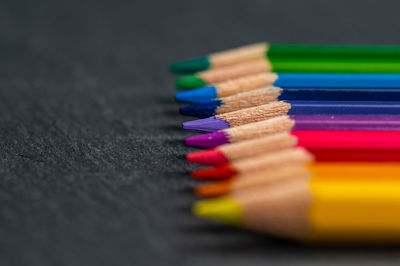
206 125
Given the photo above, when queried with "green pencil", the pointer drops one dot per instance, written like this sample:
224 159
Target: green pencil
213 76
287 51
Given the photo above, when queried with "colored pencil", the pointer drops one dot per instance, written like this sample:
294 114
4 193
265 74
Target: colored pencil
354 142
233 103
273 109
269 94
274 52
294 80
315 210
211 77
240 117
325 170
284 123
266 95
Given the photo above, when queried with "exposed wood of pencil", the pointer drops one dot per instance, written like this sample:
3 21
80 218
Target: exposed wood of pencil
265 178
247 83
326 171
263 145
238 55
236 71
282 211
248 99
255 114
283 157
259 129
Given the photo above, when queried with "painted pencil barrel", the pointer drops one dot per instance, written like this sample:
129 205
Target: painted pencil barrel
365 211
344 108
335 51
324 145
346 122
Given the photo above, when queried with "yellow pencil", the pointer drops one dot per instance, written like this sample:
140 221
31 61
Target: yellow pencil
315 210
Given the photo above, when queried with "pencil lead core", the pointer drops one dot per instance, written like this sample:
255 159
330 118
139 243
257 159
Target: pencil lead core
200 95
210 157
213 189
201 110
211 124
223 209
189 82
208 140
220 172
190 66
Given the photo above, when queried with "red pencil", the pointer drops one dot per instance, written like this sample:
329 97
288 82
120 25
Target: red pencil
325 146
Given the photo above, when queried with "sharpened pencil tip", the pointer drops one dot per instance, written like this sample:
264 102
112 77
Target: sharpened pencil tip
201 110
189 82
219 172
213 189
201 95
190 66
210 140
223 209
207 125
210 157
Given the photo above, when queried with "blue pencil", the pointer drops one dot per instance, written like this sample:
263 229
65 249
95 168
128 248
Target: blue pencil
362 82
259 97
267 111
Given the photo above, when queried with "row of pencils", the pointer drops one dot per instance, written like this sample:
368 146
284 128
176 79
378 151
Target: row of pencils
299 141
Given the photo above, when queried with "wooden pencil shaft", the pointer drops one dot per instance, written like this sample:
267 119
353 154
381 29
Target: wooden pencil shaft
296 155
255 114
263 145
248 99
265 178
247 83
268 177
235 71
238 55
259 129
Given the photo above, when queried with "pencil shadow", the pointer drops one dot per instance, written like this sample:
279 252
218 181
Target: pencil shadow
257 243
174 128
172 112
180 143
165 99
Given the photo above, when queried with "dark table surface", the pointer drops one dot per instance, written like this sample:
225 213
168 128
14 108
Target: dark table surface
92 157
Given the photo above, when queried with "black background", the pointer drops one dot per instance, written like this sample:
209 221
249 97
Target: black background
92 157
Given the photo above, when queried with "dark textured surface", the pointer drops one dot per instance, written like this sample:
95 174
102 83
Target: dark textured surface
92 169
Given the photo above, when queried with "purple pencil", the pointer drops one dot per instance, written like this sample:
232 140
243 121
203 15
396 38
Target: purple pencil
223 134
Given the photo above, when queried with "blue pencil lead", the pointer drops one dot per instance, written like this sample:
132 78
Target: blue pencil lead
201 110
200 95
